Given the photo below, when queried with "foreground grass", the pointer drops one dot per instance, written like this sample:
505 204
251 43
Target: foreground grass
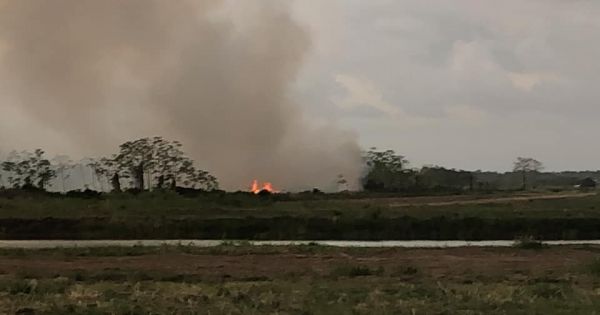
316 280
372 295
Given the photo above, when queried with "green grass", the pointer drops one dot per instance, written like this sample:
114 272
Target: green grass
159 204
245 216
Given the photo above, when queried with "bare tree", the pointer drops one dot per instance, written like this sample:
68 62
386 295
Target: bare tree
526 166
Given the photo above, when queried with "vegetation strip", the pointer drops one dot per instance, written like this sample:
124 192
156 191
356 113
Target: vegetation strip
59 244
168 215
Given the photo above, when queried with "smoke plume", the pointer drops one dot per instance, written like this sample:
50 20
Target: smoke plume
99 72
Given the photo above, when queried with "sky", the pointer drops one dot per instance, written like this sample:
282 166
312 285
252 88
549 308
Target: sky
469 84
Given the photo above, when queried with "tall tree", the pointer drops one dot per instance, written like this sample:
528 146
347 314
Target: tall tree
107 171
156 162
135 157
387 171
525 166
387 159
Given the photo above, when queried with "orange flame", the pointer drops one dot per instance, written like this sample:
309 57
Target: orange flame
266 186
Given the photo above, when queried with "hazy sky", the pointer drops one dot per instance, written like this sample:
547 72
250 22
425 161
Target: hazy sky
464 83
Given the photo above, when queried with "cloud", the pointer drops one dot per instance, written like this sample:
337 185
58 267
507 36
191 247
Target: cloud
361 92
472 57
528 81
495 79
465 115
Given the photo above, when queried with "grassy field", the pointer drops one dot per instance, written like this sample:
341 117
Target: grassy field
300 280
568 215
240 205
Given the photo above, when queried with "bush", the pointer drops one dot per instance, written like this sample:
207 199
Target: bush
405 271
549 291
84 194
528 242
356 271
17 286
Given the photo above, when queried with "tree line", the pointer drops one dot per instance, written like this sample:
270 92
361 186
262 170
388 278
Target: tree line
157 163
143 164
390 172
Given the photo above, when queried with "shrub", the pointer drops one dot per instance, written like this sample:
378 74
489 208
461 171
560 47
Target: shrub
405 271
528 242
548 291
356 271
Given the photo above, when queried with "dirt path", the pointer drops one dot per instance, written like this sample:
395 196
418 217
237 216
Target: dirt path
492 200
434 262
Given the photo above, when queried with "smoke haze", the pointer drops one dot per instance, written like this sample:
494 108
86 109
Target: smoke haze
97 73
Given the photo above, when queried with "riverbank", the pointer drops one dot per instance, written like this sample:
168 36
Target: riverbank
66 244
300 279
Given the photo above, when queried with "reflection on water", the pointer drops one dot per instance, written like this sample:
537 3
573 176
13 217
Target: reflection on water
33 244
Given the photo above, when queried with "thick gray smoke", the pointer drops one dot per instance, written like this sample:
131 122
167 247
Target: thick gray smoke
103 71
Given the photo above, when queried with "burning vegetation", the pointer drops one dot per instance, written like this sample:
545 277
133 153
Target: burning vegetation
266 188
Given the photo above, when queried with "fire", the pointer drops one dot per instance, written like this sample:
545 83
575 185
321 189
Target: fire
266 186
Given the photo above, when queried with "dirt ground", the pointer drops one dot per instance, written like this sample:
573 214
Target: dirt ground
437 263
